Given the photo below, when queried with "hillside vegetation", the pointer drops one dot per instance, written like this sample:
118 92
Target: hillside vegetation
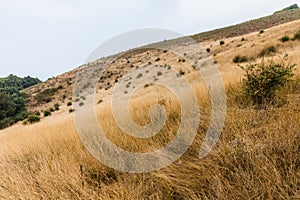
257 156
12 100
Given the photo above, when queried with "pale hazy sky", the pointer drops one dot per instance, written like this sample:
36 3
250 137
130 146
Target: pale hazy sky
44 38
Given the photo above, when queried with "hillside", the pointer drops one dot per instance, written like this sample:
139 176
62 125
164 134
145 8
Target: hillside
256 157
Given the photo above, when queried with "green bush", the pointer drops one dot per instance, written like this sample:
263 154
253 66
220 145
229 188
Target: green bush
240 59
71 110
297 36
262 80
47 113
12 100
267 51
69 103
285 39
33 119
222 42
46 95
56 106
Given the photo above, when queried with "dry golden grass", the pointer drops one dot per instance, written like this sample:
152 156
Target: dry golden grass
257 157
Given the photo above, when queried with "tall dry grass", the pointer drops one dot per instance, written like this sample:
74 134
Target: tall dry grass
257 157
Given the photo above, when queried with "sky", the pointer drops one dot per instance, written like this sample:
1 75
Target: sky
45 38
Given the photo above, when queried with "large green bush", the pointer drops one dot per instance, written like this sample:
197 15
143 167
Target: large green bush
262 80
12 100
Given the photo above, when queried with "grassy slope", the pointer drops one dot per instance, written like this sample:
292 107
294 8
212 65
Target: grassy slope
257 155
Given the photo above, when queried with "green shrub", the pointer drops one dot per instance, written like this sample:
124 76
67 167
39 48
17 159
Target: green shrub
208 50
222 42
261 31
139 75
47 113
181 72
33 119
71 110
285 38
56 106
69 103
46 95
51 110
262 80
12 99
297 36
240 59
267 51
81 104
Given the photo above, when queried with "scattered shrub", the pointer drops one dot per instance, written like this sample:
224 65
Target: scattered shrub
100 101
243 39
71 110
159 73
208 50
33 119
267 51
261 31
222 42
69 103
181 72
285 38
47 113
240 59
297 36
56 106
51 110
46 95
262 80
139 75
81 104
157 59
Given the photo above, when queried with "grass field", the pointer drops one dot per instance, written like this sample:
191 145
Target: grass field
257 157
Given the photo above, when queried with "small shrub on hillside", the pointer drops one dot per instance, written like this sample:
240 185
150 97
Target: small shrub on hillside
222 42
33 119
267 51
51 110
71 110
285 38
56 106
297 36
181 72
139 75
46 95
261 31
81 104
47 113
69 103
208 50
240 59
100 101
262 80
